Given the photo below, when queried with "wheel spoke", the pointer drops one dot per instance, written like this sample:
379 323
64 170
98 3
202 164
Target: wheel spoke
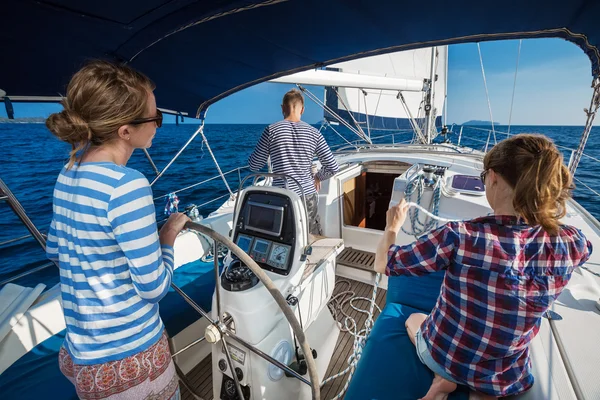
195 342
217 281
192 303
233 374
266 357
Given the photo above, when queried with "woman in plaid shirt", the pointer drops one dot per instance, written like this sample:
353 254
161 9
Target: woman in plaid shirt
502 271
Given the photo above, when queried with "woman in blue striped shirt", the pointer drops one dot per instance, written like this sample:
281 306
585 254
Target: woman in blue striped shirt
114 265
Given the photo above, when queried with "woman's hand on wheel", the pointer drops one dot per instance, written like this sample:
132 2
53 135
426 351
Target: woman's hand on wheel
172 227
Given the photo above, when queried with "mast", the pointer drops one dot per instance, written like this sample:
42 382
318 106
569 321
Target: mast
428 98
445 109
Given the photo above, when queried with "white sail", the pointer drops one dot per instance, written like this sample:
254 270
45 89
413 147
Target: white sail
384 107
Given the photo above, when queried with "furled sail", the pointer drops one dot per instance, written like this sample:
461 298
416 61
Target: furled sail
321 77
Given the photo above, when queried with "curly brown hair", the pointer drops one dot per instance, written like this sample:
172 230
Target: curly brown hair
534 168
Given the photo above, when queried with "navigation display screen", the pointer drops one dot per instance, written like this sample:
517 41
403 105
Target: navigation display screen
261 217
264 218
244 242
261 247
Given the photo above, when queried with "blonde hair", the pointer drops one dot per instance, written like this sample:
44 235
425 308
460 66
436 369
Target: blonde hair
534 168
101 97
289 99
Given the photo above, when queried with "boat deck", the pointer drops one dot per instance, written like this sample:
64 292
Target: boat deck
201 376
355 258
201 379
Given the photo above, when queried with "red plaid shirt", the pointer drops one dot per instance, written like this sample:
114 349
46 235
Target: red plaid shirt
501 276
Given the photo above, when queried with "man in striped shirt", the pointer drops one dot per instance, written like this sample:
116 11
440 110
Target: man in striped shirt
292 145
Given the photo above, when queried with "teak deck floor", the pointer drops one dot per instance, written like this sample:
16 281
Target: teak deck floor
201 376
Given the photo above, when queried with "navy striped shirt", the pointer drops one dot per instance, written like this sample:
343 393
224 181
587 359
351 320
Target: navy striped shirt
113 270
292 147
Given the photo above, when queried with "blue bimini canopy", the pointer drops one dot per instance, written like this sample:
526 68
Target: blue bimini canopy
198 52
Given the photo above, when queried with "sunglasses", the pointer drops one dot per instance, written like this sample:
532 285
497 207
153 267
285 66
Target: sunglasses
158 119
482 176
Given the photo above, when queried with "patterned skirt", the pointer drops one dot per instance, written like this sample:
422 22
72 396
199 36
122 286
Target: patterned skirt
147 375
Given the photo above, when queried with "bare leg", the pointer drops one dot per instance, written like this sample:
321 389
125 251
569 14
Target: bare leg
440 387
413 323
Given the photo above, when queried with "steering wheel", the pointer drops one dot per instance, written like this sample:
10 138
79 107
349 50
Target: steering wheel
219 329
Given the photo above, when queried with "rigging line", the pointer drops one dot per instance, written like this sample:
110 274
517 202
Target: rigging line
514 87
381 90
366 112
412 121
325 107
359 128
200 183
335 115
190 140
221 174
556 144
589 188
481 129
323 124
507 133
591 114
340 135
487 95
589 270
583 154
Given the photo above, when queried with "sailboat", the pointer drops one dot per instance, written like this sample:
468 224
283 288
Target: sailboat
262 311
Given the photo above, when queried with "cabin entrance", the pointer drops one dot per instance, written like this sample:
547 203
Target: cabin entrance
366 195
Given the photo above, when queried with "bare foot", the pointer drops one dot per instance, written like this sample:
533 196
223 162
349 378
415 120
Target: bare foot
440 389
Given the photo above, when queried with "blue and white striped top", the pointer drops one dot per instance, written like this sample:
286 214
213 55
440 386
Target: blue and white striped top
292 146
113 270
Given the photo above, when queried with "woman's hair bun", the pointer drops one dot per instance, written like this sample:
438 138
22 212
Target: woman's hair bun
69 127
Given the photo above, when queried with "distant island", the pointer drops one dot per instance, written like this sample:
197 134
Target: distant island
27 120
480 123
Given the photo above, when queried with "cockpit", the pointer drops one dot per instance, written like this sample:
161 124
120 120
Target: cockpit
266 230
270 228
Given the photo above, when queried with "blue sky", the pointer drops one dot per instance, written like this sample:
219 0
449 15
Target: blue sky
553 87
553 82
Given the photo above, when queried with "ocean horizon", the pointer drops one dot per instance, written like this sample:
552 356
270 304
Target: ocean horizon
32 159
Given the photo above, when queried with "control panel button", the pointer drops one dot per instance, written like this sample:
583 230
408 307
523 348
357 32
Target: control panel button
239 373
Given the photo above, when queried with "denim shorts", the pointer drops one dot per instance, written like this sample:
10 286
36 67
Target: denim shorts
425 357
